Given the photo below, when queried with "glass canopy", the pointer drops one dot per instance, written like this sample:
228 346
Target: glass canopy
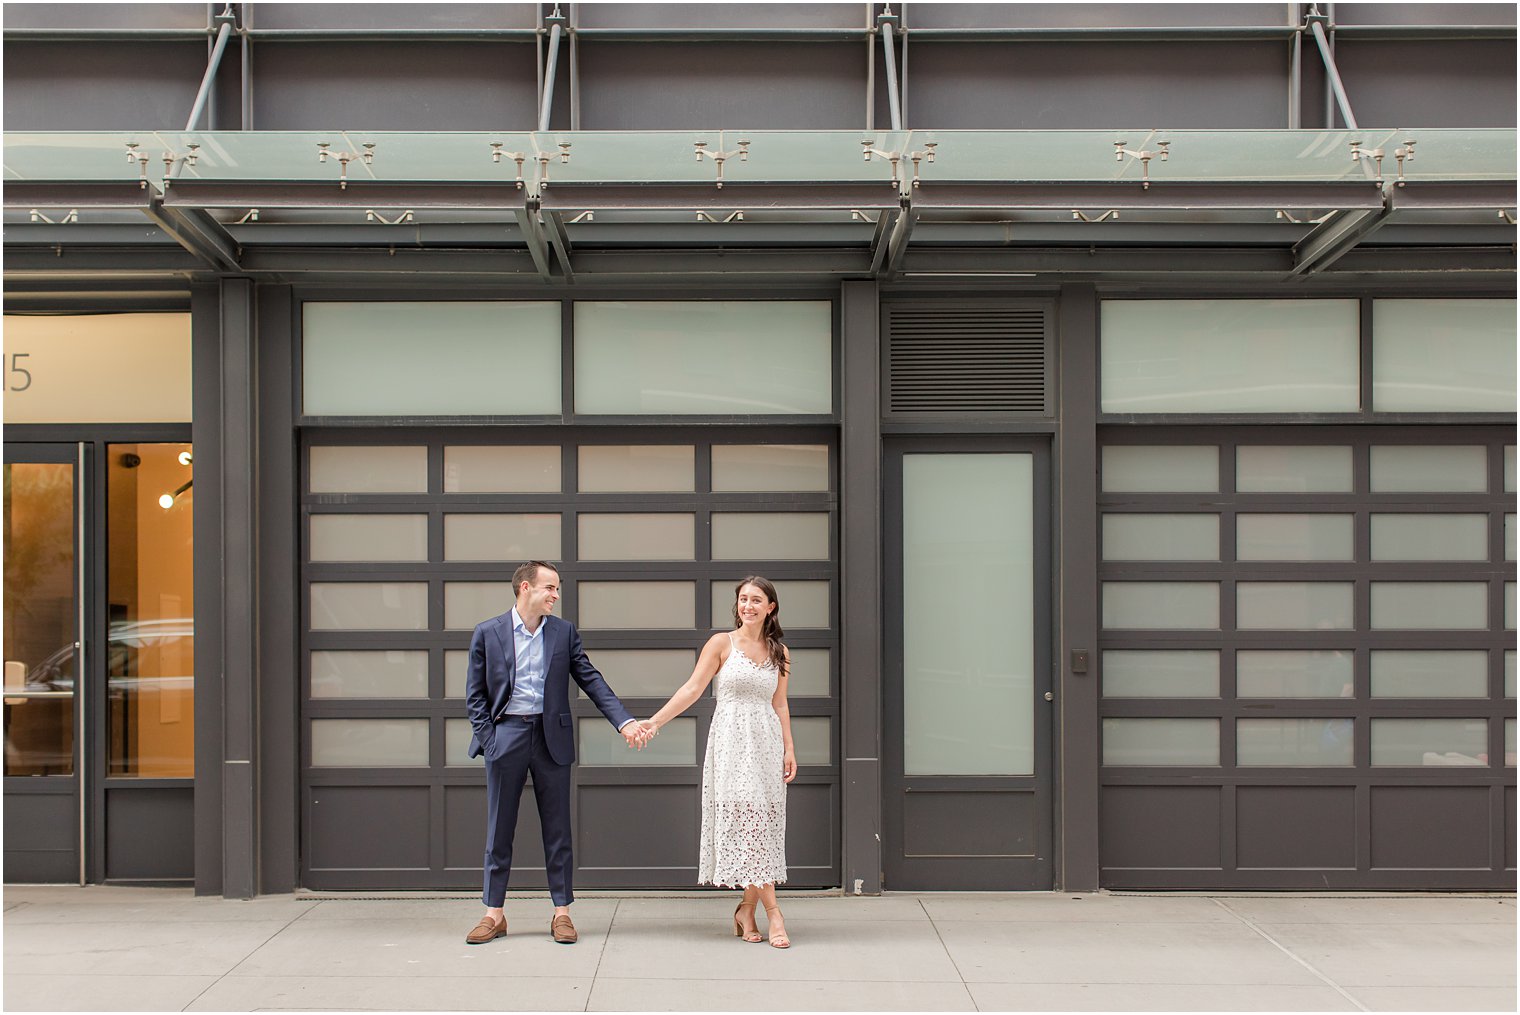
756 157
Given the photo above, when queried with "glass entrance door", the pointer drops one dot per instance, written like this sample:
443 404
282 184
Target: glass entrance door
43 659
968 704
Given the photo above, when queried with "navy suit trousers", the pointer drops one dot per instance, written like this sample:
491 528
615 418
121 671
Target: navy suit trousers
519 748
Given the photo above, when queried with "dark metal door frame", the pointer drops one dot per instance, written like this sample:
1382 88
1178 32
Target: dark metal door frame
1012 872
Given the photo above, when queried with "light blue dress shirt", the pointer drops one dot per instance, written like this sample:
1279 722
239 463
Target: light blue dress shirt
528 677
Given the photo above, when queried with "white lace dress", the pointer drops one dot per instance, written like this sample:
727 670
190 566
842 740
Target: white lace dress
743 795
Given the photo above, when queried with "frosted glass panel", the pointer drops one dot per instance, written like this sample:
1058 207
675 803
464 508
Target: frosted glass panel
1429 742
1276 469
769 467
1161 742
643 672
1294 537
1509 673
810 740
699 357
1314 743
1160 537
1429 469
1429 606
637 605
1176 606
1429 537
659 468
430 359
466 604
369 537
369 606
469 468
369 743
1160 469
1160 673
804 604
457 734
363 469
792 535
456 671
1229 356
809 676
1509 468
507 538
1451 674
1509 606
1294 606
637 536
1443 355
968 533
1509 743
1293 673
601 745
1509 537
364 674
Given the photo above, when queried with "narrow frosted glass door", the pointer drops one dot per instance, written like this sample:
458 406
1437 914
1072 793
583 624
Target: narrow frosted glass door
968 614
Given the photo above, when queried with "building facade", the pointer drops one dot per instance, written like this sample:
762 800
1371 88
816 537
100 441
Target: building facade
1128 430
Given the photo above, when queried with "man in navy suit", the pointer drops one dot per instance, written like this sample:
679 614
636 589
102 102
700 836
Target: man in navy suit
518 698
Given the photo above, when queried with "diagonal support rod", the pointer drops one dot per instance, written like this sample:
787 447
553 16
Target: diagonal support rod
533 236
887 23
550 69
897 245
222 34
1317 26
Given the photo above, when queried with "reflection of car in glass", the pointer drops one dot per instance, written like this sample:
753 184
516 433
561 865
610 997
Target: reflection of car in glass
143 657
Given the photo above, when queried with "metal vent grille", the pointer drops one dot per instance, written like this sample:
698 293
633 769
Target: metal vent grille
966 358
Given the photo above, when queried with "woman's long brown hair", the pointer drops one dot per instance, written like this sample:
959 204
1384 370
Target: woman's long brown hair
770 628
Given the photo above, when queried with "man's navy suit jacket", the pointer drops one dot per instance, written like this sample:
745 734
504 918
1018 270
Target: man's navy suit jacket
493 653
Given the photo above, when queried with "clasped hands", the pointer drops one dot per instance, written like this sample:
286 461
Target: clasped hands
639 732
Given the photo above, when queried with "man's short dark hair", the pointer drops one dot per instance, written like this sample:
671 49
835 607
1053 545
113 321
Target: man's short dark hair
529 573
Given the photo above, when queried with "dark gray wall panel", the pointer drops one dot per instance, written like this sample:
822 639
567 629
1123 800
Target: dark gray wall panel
1068 15
168 853
369 827
1424 14
1415 84
1430 826
969 824
1071 86
668 820
722 85
464 826
1296 826
101 85
77 17
448 86
712 15
362 17
812 828
41 838
1160 826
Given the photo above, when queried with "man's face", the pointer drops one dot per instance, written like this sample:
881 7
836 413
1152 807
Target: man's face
536 599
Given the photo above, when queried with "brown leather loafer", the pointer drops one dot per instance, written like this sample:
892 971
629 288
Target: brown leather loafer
486 930
563 930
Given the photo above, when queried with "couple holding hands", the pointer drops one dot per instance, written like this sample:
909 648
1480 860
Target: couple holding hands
518 698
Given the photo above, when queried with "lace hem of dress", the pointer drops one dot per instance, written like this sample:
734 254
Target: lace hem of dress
741 883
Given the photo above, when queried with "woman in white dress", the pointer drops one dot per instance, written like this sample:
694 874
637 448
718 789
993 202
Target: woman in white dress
749 757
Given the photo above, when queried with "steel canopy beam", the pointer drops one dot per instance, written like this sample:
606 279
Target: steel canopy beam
554 229
1452 195
560 196
196 193
198 233
1159 196
77 194
533 236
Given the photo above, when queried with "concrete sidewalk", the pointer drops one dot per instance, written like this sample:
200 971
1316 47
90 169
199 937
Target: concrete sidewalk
107 948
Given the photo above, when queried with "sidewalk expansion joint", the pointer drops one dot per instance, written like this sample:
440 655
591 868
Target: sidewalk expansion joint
1290 954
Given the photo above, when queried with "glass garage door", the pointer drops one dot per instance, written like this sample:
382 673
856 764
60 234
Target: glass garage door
409 541
1308 657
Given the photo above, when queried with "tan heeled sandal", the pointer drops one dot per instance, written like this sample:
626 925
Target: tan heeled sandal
777 938
752 936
